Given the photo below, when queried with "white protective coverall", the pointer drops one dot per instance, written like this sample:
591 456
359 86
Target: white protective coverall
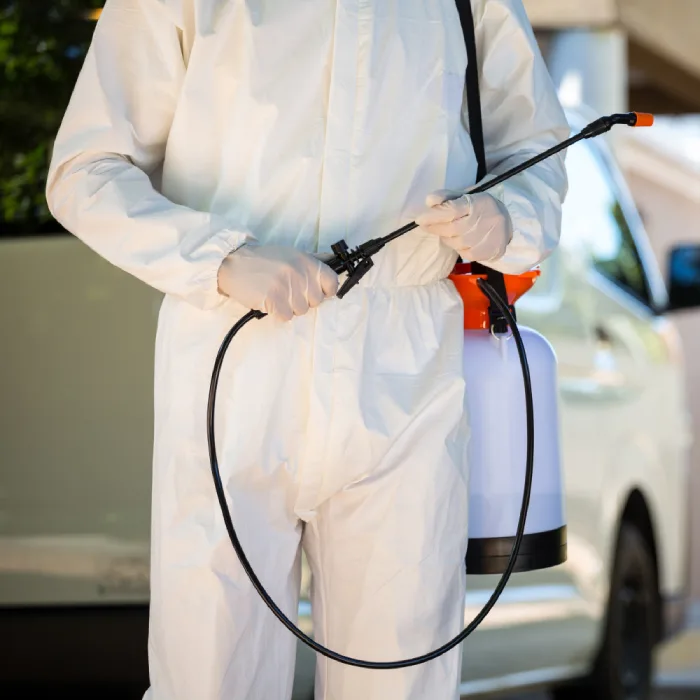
198 124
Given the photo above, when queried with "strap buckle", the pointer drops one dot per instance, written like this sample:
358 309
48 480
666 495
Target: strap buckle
497 321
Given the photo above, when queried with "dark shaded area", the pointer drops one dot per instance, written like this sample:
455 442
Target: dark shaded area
67 647
81 692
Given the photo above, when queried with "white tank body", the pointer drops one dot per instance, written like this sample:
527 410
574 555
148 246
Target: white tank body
495 402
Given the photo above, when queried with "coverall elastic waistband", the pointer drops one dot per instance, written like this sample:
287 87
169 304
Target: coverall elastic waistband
409 264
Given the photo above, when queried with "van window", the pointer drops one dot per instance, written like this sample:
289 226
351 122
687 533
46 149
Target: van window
42 47
595 225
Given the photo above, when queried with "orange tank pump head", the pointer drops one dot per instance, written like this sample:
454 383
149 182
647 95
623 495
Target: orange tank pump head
476 303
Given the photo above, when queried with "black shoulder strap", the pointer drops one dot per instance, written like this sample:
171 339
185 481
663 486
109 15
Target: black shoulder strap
476 128
476 133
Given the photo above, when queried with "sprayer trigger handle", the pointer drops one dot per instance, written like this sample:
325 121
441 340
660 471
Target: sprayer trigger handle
361 269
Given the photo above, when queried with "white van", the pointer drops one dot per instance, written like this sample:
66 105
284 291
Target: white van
75 449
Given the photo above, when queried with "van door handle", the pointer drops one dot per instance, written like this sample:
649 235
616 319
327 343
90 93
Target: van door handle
602 335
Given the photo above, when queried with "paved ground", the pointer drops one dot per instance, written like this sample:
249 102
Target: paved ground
661 695
678 666
678 671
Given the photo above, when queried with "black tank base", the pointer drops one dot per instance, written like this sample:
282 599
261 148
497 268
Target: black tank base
538 550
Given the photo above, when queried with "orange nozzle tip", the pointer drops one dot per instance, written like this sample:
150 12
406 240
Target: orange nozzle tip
644 119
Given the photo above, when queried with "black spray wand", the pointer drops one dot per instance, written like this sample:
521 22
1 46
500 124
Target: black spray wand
357 262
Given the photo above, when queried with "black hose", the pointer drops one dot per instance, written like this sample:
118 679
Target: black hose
347 262
487 289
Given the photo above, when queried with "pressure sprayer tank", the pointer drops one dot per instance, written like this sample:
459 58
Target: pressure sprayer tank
495 403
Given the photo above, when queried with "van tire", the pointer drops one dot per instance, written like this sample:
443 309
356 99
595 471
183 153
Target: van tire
624 668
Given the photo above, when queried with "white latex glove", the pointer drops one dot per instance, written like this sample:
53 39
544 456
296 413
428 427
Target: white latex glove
279 280
477 226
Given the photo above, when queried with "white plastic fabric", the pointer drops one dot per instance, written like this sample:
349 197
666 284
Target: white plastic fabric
197 125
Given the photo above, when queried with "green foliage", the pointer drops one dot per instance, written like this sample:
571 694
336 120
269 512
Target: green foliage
42 47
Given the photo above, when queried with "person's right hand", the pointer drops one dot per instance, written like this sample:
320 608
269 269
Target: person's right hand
278 280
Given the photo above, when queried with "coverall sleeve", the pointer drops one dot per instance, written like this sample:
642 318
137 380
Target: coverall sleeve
522 117
110 144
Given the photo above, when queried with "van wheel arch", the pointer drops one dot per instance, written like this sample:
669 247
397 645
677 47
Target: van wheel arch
635 554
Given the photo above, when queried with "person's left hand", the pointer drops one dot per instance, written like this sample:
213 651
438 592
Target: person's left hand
477 226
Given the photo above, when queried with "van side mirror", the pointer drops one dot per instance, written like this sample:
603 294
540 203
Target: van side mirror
684 277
